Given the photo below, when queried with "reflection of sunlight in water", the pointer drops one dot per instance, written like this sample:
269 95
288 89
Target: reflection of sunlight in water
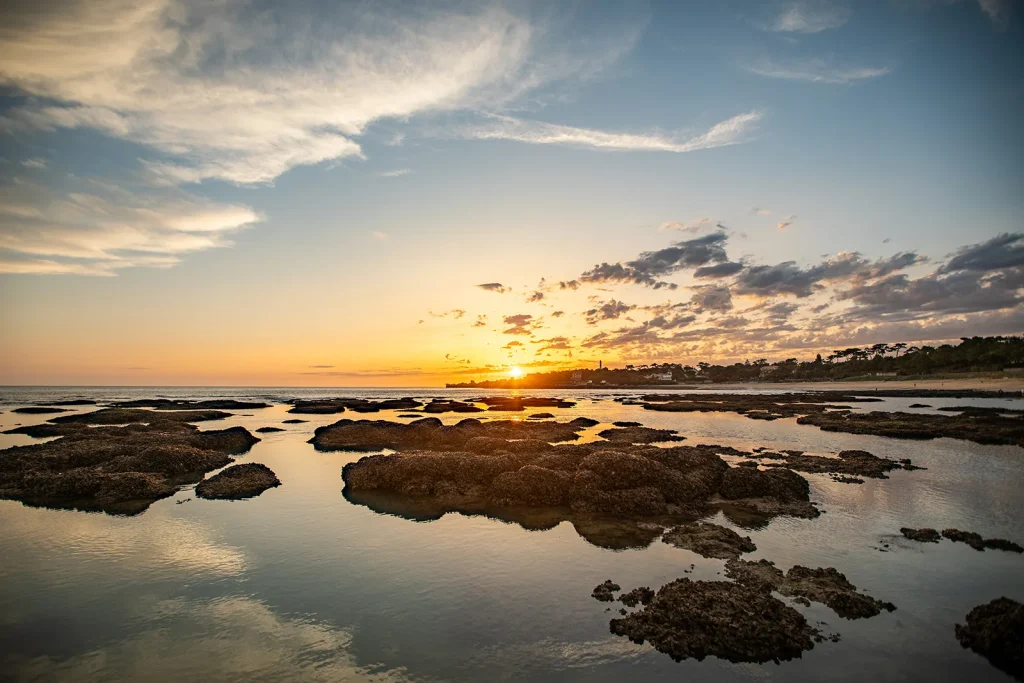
166 545
232 638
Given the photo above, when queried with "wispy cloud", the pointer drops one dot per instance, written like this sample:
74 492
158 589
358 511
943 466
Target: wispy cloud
815 71
495 287
785 222
378 235
809 17
395 173
500 127
98 229
34 163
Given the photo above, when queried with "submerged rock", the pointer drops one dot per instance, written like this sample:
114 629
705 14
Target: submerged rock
38 410
995 631
626 423
238 481
737 623
709 540
824 585
267 430
860 463
294 421
925 535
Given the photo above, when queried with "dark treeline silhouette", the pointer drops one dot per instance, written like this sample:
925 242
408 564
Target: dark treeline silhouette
972 354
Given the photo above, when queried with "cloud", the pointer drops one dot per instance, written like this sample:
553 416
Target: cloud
711 298
693 227
96 229
395 173
609 310
481 321
499 127
651 266
1002 251
569 285
760 212
719 270
815 71
496 287
558 314
552 344
785 222
997 10
513 344
788 278
380 235
809 17
520 324
456 313
34 163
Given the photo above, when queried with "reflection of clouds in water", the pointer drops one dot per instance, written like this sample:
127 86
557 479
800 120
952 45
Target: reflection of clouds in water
143 544
224 639
552 655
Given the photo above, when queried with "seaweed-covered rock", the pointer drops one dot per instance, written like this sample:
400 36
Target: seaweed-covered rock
976 541
642 595
430 434
122 416
604 591
737 623
584 422
541 416
859 463
627 423
639 435
709 540
824 585
182 404
519 403
530 485
451 407
987 428
925 535
115 469
995 631
779 484
238 481
294 421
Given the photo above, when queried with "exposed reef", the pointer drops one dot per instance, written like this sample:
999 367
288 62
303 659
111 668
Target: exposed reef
709 540
181 404
770 492
824 585
238 481
120 416
268 430
976 541
430 433
924 535
639 435
331 406
38 410
694 619
984 428
438 406
995 631
756 406
860 463
519 403
294 421
604 592
116 469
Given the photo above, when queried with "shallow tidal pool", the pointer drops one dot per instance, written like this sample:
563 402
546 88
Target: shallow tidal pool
300 584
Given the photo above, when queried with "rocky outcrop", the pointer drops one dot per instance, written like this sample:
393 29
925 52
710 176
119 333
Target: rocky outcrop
268 430
430 433
860 463
605 591
976 541
639 435
121 416
331 406
995 631
181 404
694 619
38 410
984 428
116 469
824 585
709 540
238 481
925 535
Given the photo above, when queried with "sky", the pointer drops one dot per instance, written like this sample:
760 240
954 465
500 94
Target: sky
407 194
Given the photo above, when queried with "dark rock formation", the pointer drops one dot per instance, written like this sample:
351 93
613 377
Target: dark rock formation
180 404
860 463
583 422
824 585
604 591
984 428
519 403
430 434
639 435
72 402
637 596
919 405
695 619
294 421
238 481
925 535
267 430
331 406
709 540
440 406
38 410
626 423
120 416
116 469
978 543
995 631
541 416
769 492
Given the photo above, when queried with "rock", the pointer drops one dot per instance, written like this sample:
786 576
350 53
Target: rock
530 485
846 479
180 404
627 424
859 463
642 595
517 403
451 407
330 406
38 410
919 405
603 591
925 535
120 470
294 421
978 543
584 422
121 416
778 484
709 540
430 434
238 481
824 585
984 428
72 402
541 416
639 435
267 430
695 619
995 631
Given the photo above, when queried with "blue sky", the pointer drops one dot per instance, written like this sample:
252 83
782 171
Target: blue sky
236 192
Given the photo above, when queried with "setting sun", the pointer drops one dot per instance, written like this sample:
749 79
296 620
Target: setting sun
516 372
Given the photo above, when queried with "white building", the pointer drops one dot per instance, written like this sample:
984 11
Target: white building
660 376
